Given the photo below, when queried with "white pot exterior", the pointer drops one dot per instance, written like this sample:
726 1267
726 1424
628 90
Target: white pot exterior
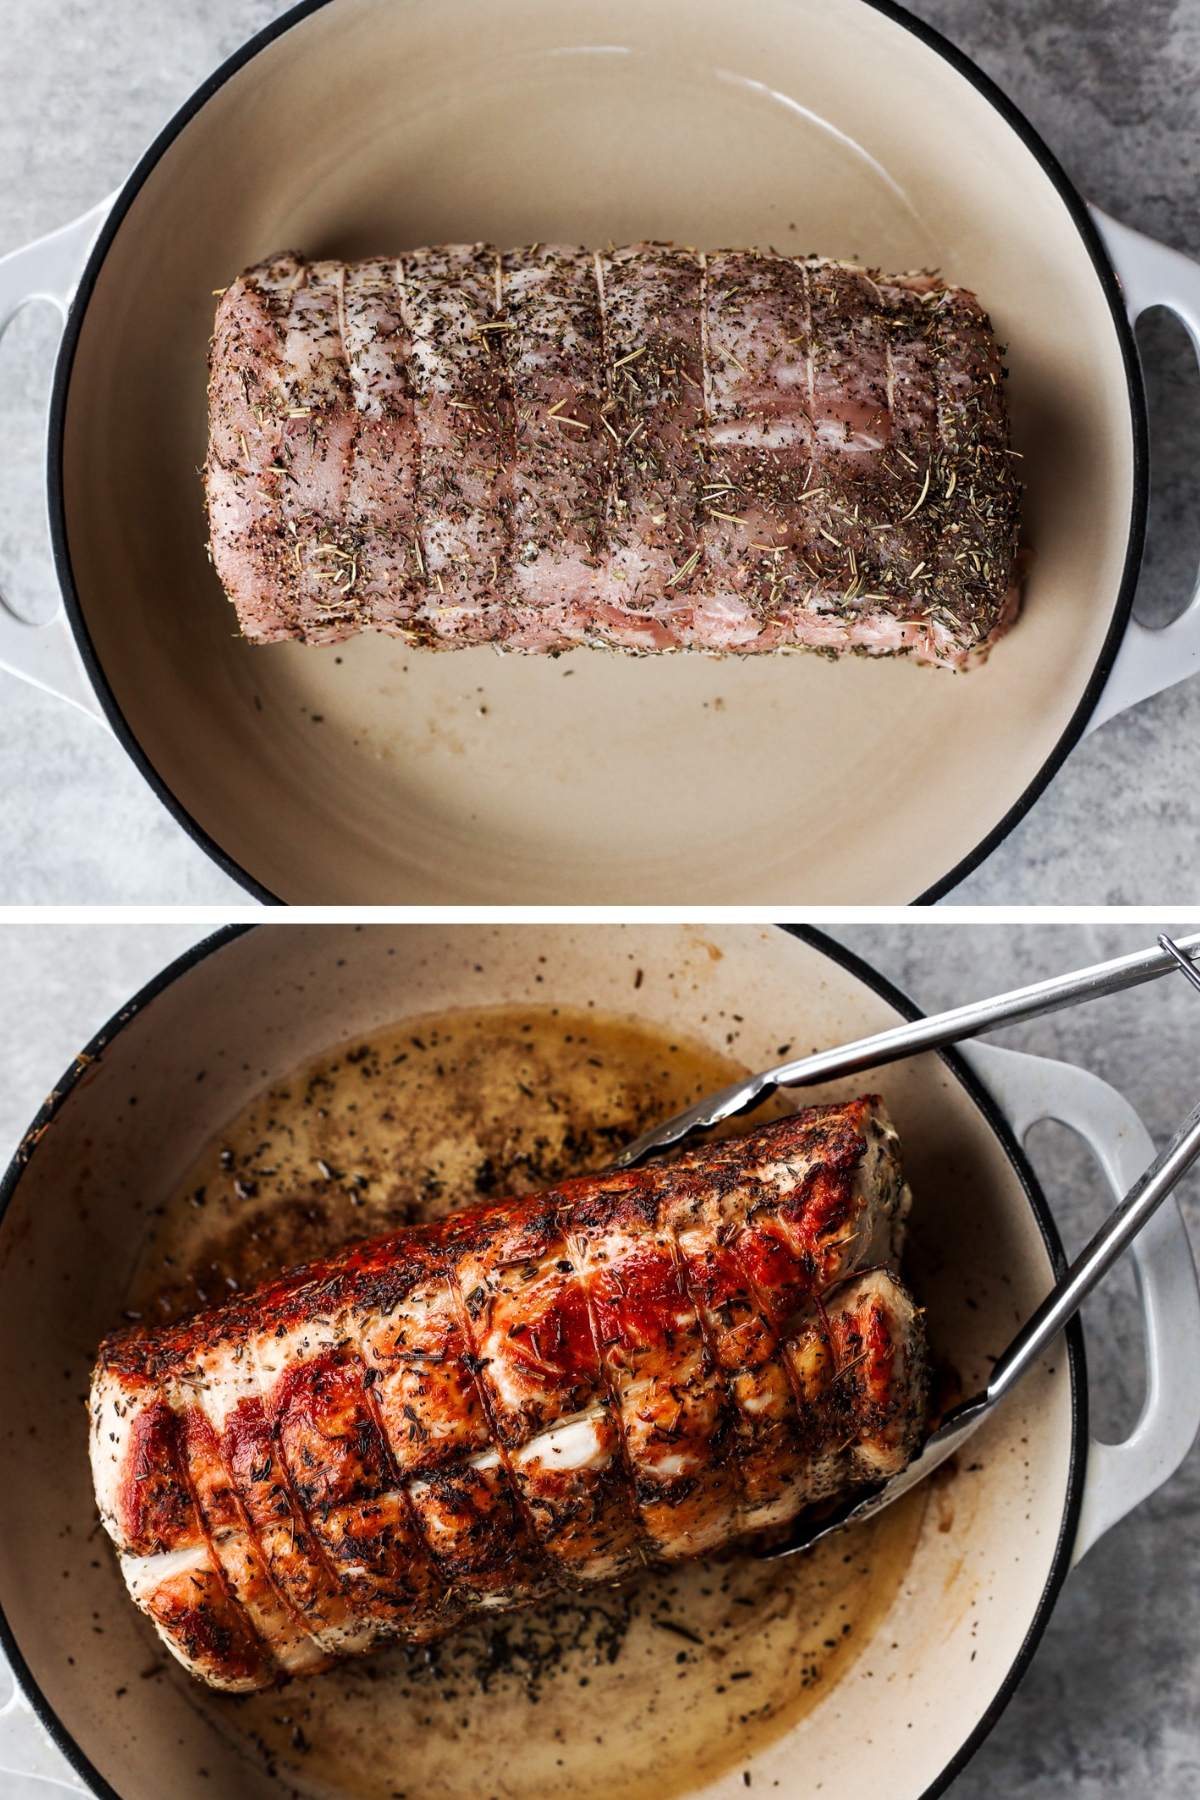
991 1552
429 121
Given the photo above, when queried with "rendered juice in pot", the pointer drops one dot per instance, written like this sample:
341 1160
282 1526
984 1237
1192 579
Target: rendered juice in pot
636 1692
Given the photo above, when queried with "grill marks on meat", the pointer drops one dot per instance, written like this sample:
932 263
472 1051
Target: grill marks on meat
183 1591
667 1394
531 1395
650 449
534 1345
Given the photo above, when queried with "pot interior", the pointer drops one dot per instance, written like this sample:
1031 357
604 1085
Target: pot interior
941 1601
372 772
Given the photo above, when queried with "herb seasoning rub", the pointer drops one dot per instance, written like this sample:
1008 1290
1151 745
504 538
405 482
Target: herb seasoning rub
646 450
648 1689
521 1397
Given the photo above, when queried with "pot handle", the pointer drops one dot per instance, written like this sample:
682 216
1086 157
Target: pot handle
1151 658
31 1767
48 269
1119 1476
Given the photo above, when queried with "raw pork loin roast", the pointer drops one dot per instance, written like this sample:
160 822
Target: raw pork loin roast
648 450
523 1397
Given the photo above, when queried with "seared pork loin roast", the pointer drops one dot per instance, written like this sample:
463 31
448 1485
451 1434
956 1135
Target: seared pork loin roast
523 1397
647 449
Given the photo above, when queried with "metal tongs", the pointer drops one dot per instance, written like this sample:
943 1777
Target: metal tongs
1036 1335
1090 1266
921 1034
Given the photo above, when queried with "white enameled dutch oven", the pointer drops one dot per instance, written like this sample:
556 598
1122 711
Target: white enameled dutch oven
370 772
949 1632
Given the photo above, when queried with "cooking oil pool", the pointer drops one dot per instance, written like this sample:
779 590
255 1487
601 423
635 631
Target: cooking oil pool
639 1692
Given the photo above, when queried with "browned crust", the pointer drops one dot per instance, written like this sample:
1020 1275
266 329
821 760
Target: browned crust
702 1319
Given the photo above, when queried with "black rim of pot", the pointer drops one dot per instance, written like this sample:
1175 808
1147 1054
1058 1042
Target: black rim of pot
935 41
878 984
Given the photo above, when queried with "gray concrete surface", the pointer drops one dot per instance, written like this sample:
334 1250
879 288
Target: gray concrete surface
1109 1709
1113 88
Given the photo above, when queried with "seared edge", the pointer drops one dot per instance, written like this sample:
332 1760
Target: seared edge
532 1394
